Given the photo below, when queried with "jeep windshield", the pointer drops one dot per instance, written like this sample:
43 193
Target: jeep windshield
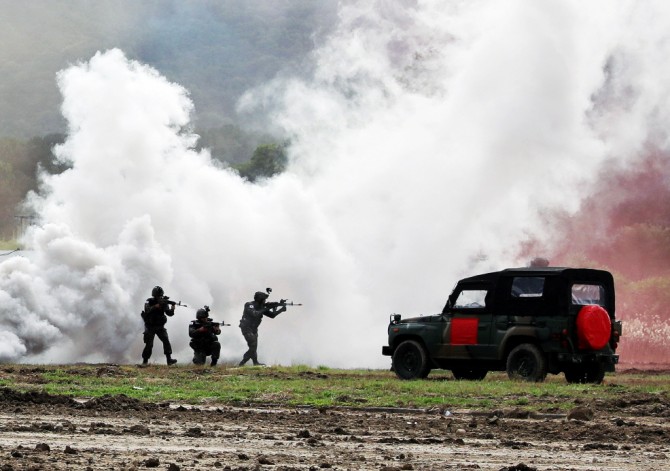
471 299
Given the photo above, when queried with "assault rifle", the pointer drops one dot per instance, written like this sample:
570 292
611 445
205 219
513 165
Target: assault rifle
167 300
210 322
280 303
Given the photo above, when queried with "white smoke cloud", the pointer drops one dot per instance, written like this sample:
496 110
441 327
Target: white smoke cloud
423 147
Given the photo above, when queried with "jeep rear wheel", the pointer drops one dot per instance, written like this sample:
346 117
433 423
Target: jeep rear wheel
526 363
410 360
472 374
591 373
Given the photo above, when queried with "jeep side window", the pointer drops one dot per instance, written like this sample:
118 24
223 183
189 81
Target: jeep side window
527 286
583 294
471 299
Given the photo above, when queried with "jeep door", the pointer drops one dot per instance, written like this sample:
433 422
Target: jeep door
467 333
528 307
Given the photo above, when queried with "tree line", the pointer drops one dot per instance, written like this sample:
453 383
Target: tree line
253 156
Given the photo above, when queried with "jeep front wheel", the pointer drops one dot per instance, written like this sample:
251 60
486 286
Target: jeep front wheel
410 360
591 373
527 363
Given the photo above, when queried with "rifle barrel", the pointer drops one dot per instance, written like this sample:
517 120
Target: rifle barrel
166 299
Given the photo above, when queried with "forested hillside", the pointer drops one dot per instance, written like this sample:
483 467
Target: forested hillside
19 160
216 50
253 155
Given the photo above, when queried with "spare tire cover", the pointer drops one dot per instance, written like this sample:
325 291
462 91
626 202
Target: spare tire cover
593 327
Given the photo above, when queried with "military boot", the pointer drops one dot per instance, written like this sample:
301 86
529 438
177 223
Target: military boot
170 360
214 361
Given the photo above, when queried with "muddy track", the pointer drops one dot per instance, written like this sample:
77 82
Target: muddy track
43 432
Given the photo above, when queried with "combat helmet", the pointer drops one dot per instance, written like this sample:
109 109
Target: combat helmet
157 292
260 296
202 313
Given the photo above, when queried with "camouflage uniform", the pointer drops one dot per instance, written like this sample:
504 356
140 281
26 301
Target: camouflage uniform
154 317
203 340
251 318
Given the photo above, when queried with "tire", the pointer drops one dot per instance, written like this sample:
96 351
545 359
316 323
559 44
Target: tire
591 373
472 374
527 363
410 360
594 328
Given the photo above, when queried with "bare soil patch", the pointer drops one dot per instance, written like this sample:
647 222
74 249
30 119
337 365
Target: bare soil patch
39 431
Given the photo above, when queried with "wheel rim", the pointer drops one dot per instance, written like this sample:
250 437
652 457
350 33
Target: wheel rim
410 361
525 366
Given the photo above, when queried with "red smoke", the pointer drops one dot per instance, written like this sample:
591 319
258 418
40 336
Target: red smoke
624 227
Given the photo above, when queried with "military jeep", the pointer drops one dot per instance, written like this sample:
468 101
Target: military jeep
526 321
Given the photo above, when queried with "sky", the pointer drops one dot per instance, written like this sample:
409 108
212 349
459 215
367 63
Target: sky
426 143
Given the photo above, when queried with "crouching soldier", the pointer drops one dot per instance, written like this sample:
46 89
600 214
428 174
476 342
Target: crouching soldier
203 332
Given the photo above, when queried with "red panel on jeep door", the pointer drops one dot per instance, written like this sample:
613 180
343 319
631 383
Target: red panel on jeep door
464 331
593 327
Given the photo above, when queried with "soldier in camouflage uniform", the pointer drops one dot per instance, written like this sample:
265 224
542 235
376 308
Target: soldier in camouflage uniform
203 332
156 308
251 318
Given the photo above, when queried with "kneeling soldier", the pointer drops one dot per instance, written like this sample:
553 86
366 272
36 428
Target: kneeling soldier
203 332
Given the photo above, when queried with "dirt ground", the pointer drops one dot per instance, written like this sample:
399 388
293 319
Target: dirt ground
43 432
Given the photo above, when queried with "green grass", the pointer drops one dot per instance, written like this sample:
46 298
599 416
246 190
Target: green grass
320 387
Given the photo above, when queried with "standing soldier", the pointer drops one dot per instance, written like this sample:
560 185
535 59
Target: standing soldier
156 308
203 332
251 318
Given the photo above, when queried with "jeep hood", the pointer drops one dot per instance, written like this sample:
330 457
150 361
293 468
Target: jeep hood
421 319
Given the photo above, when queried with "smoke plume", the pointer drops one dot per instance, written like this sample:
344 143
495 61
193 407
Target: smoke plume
428 144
